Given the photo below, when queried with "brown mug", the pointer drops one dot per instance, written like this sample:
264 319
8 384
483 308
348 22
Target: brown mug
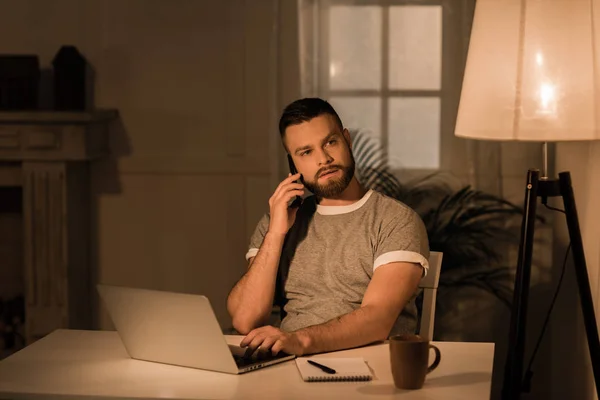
409 355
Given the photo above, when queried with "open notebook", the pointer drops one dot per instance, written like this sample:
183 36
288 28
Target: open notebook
347 369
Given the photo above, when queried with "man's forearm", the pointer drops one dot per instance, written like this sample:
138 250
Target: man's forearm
251 300
365 325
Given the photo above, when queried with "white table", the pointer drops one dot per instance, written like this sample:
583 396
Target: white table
71 364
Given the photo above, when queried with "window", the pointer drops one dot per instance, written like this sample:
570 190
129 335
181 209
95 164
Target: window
380 66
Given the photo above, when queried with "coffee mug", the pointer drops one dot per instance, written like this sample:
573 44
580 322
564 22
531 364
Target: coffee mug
409 355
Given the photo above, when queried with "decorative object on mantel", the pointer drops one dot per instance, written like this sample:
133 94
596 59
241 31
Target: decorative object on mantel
19 82
69 79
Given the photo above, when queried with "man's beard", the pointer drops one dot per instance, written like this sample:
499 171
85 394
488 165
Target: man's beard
333 187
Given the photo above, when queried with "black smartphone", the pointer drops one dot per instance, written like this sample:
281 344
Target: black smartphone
298 200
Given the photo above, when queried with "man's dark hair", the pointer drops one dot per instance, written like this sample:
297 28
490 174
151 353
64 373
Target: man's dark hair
304 110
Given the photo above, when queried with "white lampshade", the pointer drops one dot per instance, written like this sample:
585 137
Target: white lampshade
532 71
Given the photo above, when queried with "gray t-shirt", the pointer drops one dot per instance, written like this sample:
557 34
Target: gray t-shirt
330 253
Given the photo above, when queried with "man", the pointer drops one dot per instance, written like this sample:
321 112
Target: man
349 260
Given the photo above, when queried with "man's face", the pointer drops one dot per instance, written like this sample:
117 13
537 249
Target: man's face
322 154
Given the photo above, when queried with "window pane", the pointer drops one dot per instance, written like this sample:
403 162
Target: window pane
355 47
359 113
415 47
414 132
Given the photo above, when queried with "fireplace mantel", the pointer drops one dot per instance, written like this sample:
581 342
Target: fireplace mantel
52 136
47 154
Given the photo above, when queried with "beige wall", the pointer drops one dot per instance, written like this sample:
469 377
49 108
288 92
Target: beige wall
196 151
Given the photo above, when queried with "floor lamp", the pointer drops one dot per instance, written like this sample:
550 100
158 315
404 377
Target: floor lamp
533 74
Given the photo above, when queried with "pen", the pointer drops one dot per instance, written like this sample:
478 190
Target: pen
321 366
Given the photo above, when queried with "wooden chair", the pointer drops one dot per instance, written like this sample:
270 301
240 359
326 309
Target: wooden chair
429 284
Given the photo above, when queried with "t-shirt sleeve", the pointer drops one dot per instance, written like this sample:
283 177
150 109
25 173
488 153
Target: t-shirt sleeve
403 239
258 236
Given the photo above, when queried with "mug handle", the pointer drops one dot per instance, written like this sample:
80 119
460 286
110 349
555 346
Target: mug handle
438 357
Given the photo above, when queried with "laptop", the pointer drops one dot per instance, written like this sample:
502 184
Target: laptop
178 329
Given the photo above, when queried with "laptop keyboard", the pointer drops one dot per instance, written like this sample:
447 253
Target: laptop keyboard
243 361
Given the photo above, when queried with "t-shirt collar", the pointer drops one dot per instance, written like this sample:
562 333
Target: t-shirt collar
336 210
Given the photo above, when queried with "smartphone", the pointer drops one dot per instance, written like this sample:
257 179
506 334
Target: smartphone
298 200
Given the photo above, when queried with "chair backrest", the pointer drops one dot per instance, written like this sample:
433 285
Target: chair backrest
429 284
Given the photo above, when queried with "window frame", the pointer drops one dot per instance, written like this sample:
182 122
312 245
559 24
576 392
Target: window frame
453 54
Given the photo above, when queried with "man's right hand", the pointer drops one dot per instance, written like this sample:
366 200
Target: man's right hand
282 216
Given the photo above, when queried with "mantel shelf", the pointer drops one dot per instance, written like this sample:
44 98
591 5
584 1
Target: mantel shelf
54 136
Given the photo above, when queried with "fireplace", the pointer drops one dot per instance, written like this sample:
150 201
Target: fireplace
45 216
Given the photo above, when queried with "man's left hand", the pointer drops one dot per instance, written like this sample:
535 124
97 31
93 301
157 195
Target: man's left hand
270 338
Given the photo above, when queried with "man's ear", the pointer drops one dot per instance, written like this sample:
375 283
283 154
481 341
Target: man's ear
346 134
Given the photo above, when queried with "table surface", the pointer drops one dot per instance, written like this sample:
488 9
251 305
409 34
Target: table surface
69 364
